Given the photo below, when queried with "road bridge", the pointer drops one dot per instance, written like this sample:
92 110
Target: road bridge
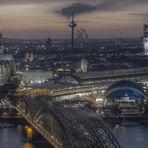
64 124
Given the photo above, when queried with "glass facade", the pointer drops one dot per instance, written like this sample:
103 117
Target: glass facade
145 40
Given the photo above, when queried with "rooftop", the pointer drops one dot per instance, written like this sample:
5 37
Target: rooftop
111 73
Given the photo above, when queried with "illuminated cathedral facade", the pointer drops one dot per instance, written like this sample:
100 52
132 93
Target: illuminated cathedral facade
7 65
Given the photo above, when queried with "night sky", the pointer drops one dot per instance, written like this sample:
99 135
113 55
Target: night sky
49 18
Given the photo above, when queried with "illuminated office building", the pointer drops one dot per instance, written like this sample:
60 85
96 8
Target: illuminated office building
145 39
29 57
84 65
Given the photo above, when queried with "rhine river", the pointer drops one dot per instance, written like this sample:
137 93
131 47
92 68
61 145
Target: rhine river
132 137
13 138
128 137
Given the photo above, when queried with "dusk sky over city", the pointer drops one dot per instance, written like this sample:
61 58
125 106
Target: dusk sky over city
49 18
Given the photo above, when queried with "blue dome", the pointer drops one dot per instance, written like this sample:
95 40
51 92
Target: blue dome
125 89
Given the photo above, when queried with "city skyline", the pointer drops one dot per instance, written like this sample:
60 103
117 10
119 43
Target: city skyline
50 18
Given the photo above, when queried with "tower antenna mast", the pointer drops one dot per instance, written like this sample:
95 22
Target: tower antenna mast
72 25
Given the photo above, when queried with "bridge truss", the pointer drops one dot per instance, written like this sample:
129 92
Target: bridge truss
66 123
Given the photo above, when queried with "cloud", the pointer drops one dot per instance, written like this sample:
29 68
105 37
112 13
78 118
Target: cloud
77 8
14 2
142 15
102 5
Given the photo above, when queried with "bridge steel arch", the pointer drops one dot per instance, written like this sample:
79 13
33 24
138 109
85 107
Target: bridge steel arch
65 128
41 117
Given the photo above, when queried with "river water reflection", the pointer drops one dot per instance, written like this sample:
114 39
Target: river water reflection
11 138
132 137
128 137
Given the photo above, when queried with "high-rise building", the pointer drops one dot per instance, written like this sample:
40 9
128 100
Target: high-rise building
145 39
84 65
1 36
29 57
48 44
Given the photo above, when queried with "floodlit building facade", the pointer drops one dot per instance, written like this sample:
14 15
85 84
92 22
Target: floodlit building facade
84 65
145 39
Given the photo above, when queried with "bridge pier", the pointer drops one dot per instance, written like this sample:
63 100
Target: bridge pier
29 133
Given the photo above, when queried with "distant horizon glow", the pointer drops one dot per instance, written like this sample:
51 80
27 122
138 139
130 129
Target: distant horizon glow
40 19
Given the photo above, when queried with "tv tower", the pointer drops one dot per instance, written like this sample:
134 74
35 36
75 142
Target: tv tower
72 25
